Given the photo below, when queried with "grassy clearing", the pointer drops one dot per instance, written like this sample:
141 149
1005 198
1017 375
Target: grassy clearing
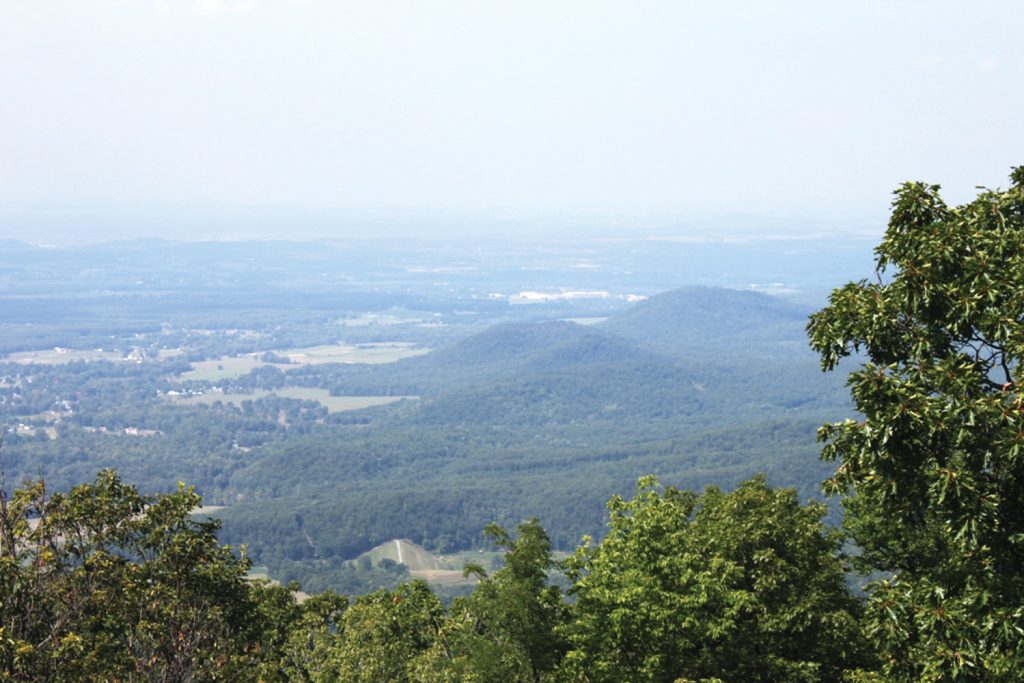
59 356
387 319
418 558
443 577
334 404
222 368
415 557
236 366
443 570
384 352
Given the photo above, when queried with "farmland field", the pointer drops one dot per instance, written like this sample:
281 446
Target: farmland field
436 569
387 319
236 366
383 352
334 404
222 368
59 356
337 404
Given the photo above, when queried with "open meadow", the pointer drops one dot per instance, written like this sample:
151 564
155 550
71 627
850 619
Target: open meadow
58 356
235 366
334 404
373 353
436 569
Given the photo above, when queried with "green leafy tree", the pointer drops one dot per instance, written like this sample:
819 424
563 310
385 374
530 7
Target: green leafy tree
382 633
744 586
302 635
506 629
103 583
934 469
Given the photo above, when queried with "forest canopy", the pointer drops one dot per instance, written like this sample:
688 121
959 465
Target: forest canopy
104 583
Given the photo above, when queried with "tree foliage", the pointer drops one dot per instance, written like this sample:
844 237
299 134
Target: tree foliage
745 586
934 470
103 581
505 630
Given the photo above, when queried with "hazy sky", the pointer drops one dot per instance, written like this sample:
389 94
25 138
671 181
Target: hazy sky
552 105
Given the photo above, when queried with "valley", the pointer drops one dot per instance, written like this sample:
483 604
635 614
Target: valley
330 420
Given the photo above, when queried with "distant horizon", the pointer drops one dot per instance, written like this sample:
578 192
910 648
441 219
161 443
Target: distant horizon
142 115
68 225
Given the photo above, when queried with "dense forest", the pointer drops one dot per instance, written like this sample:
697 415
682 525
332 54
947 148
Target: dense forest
102 583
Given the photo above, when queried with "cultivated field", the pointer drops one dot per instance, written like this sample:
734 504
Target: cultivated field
413 556
222 368
383 352
436 569
387 319
236 366
58 356
334 404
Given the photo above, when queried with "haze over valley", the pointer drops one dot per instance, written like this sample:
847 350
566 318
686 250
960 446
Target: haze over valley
335 396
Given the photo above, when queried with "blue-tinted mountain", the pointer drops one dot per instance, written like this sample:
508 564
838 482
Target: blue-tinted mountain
706 319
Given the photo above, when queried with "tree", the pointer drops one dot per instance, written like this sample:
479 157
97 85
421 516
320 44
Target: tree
310 632
103 583
381 635
745 586
934 469
506 629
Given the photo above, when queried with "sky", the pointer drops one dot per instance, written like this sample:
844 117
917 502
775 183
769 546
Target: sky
260 110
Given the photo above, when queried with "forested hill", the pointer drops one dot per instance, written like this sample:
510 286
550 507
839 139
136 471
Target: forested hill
539 345
551 372
703 320
502 352
514 348
707 352
704 331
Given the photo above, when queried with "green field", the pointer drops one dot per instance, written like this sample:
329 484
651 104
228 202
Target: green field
236 366
58 356
222 368
387 319
334 404
383 352
437 569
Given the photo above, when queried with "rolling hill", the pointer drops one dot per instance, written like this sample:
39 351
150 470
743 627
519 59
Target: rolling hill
704 320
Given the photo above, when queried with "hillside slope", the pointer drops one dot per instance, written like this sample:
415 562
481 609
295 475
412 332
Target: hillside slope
705 320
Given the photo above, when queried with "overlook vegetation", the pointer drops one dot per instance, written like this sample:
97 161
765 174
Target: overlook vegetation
108 584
